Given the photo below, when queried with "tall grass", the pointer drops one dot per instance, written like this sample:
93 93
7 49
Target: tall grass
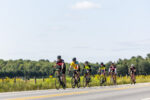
8 85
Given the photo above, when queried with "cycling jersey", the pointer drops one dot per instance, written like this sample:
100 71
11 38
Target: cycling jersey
102 69
87 67
112 69
75 65
132 69
59 65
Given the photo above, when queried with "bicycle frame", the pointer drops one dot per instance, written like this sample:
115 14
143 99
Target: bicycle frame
132 75
102 78
86 80
75 80
113 77
60 79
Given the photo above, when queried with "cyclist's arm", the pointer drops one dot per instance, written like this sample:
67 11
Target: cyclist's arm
129 71
134 69
78 66
53 72
115 70
83 67
109 70
104 70
62 66
90 68
70 67
99 69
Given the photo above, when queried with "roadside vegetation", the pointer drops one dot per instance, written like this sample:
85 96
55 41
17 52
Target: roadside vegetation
8 85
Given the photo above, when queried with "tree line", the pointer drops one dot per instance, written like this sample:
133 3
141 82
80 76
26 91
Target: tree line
43 68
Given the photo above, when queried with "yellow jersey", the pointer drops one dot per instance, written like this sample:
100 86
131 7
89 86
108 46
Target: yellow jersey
87 67
75 65
102 68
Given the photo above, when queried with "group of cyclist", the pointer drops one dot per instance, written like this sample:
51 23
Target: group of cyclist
60 68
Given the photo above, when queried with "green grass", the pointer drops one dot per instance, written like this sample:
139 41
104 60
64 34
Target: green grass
8 85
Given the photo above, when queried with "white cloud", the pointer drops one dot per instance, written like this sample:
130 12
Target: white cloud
85 5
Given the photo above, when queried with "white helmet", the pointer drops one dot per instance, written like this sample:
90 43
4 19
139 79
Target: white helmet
132 65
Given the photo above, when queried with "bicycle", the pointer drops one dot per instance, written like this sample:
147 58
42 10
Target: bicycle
102 79
59 80
132 75
113 78
75 81
87 79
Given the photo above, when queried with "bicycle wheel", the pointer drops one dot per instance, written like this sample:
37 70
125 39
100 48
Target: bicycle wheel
78 83
111 80
84 82
63 85
57 83
132 80
101 81
73 82
114 80
89 82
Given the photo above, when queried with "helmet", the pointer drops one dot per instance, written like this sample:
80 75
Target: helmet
86 62
132 65
102 63
59 57
74 59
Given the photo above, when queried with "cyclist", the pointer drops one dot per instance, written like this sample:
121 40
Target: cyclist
87 68
76 67
132 72
113 71
60 67
102 70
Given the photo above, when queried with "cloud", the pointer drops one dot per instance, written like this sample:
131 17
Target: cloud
85 5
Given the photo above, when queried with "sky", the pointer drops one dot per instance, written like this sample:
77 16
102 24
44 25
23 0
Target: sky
93 30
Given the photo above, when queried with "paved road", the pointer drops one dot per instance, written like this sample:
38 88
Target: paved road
121 92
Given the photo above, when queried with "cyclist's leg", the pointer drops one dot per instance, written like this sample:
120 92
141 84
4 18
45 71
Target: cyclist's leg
134 78
75 74
115 78
78 75
85 74
105 77
131 78
112 77
58 73
64 78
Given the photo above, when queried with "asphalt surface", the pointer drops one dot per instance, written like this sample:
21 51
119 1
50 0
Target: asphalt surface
139 91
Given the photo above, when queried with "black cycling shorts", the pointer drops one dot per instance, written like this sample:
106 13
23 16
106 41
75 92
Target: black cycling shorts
63 71
75 72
